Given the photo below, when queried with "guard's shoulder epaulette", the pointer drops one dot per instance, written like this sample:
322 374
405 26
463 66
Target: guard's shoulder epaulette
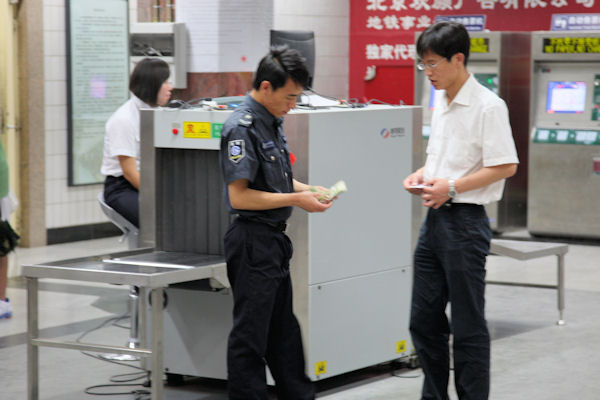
246 119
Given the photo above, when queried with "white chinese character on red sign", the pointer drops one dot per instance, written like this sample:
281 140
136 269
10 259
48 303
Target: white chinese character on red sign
458 5
391 22
419 4
386 52
376 5
374 22
412 51
514 4
534 3
408 22
401 51
487 4
372 52
442 5
398 5
423 21
559 3
585 3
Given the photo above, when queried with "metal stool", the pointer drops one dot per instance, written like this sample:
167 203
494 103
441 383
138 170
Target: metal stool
130 233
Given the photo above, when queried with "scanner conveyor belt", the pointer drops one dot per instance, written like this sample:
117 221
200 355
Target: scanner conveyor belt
154 269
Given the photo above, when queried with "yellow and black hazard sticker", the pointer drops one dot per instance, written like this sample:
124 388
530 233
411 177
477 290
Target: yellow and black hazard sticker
401 346
320 367
197 130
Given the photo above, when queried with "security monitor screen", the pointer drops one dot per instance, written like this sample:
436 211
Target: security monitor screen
565 97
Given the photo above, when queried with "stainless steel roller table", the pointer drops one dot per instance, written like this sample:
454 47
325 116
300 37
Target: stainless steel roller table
526 250
149 271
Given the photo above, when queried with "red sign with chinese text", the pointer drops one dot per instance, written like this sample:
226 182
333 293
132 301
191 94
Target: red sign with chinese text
382 35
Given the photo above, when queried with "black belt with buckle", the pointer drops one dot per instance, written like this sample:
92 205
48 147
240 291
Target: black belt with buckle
450 204
278 226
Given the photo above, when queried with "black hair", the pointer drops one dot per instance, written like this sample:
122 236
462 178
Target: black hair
147 78
280 64
445 38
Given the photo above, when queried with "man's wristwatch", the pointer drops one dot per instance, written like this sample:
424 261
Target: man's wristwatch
451 189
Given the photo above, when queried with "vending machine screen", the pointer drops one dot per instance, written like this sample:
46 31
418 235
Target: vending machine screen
565 97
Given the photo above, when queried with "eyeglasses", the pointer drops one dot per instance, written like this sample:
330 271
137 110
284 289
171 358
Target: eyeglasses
421 66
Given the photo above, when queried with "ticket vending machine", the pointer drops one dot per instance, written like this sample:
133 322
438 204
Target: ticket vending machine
564 149
500 61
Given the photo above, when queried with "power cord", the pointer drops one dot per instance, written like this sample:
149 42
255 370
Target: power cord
193 103
377 101
350 102
120 380
138 392
395 366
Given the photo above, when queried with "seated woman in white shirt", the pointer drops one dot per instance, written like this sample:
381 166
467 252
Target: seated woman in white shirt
149 87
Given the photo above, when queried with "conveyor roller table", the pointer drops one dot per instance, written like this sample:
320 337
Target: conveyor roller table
149 271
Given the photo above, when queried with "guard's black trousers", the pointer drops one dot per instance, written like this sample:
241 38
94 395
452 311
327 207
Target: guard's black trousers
449 266
265 329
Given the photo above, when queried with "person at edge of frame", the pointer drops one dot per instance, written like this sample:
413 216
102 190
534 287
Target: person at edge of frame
469 155
261 191
150 87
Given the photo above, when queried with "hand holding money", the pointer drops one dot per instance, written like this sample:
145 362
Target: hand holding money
331 193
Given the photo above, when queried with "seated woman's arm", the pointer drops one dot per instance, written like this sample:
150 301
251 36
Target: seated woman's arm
130 171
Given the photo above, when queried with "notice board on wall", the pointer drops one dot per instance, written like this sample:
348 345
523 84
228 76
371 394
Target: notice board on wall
97 80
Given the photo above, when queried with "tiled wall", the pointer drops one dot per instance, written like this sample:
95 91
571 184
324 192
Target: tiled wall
70 206
330 21
65 206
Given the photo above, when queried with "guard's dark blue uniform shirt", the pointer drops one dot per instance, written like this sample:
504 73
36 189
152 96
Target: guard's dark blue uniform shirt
253 147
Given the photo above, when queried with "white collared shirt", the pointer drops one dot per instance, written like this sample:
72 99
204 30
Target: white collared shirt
122 136
470 133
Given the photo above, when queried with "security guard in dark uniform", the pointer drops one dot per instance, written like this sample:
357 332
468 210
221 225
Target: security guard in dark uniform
261 191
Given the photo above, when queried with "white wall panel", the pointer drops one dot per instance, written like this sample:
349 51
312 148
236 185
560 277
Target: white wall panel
330 22
65 206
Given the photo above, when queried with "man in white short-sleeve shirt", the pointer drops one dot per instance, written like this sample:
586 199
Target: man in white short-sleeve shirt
470 153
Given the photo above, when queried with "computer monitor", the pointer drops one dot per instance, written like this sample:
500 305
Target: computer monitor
565 97
303 41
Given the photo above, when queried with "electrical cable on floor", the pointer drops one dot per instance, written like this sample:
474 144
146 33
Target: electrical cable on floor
88 390
405 376
411 364
136 376
141 394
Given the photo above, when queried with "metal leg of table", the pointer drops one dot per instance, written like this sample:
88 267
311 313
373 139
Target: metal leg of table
156 296
561 288
142 297
32 333
134 312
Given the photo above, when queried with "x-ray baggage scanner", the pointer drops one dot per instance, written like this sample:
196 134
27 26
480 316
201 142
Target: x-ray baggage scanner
351 267
564 152
500 61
